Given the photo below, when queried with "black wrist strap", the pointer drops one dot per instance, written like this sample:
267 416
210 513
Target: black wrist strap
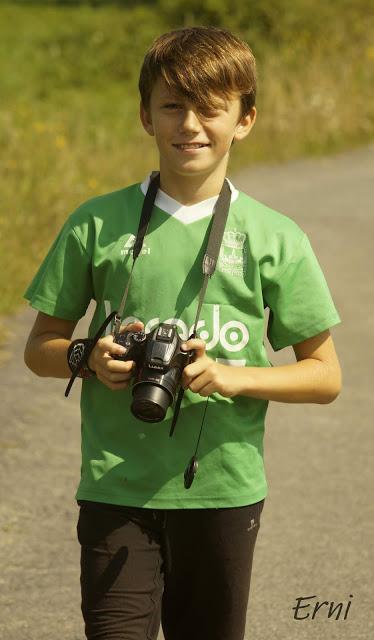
88 351
75 354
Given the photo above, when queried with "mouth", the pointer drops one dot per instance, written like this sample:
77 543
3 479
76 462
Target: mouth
191 146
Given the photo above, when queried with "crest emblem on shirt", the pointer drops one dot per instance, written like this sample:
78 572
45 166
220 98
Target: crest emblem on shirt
128 246
233 254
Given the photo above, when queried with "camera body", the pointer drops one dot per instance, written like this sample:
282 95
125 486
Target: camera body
159 366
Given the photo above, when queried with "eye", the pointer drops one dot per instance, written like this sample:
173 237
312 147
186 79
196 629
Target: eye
210 113
171 105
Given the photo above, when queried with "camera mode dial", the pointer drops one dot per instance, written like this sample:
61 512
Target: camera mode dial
140 336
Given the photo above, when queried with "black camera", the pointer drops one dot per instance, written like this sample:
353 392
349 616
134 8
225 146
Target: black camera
159 366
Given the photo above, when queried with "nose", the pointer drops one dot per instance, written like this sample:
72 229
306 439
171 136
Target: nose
189 121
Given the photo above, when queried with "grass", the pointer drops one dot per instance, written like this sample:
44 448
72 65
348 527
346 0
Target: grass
69 126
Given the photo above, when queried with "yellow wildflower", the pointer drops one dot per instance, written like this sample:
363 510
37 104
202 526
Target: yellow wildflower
60 142
92 183
40 127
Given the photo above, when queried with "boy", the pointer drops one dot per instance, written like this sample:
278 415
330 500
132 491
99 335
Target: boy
151 549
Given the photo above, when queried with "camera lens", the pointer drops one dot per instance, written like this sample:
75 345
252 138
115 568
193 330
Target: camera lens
150 402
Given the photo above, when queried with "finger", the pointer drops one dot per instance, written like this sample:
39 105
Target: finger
118 366
207 390
132 326
192 370
102 349
106 375
107 367
107 346
196 345
114 349
203 388
199 382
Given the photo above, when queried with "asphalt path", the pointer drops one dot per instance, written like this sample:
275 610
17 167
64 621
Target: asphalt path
317 529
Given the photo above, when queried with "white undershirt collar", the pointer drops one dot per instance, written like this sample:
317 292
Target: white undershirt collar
183 213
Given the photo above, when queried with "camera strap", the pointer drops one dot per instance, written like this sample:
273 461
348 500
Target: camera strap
145 217
116 316
218 223
219 218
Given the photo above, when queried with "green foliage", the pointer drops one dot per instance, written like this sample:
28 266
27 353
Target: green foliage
69 125
88 50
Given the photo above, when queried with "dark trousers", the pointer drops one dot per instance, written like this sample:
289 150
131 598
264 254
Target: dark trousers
188 568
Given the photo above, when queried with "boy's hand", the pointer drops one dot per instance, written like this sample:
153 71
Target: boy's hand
115 374
205 376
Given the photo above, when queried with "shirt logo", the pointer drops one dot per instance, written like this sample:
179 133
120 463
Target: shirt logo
233 254
129 244
233 336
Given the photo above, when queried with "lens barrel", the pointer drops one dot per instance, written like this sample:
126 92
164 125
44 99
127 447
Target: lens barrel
150 402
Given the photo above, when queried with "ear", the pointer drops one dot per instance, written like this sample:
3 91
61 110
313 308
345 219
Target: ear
146 120
245 124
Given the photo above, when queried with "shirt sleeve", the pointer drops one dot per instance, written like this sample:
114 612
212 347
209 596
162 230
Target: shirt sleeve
62 287
300 302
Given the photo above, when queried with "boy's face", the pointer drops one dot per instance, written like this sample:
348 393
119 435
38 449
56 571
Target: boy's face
191 143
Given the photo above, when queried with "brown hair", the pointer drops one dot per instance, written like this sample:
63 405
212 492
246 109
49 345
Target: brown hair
201 63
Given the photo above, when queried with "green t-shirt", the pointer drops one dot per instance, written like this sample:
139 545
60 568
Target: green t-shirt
265 260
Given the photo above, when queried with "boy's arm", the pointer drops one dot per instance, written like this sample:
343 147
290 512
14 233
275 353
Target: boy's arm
315 377
48 342
47 345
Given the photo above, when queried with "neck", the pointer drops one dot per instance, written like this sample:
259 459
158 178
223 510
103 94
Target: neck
191 189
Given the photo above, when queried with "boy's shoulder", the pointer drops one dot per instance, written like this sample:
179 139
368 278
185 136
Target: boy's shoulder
106 205
262 219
